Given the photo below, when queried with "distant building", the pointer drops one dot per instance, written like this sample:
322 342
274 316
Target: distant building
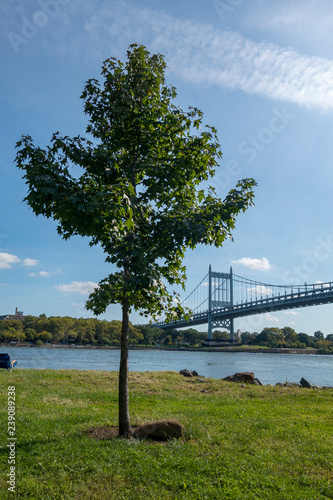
17 315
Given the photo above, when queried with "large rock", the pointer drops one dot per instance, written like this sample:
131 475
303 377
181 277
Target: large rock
247 377
305 383
160 430
188 373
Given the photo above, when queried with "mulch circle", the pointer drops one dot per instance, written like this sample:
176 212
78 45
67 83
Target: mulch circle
106 432
112 432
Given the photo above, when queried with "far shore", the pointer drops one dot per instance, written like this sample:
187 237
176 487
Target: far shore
236 349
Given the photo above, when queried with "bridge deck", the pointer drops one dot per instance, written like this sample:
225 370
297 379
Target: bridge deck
304 298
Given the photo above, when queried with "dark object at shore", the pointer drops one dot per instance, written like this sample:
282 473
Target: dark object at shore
188 373
257 381
305 383
247 377
6 363
160 430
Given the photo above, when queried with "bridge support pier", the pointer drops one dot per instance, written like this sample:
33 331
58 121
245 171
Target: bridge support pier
228 324
210 323
232 331
210 328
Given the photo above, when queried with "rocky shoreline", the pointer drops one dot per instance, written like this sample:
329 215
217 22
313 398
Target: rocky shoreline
245 378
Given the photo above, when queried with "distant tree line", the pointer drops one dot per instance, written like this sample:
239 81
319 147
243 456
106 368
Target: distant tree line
92 331
269 337
287 337
67 330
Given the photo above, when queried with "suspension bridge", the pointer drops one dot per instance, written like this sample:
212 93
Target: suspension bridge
220 298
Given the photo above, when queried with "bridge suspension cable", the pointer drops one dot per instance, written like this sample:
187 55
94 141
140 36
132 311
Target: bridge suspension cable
247 290
197 298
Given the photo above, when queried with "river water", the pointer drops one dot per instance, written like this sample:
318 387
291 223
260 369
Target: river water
269 368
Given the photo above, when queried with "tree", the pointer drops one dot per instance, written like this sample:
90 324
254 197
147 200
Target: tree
306 339
140 195
193 336
324 345
29 321
30 334
252 339
318 335
245 336
102 331
19 336
55 327
12 323
223 336
149 333
85 329
8 334
168 340
329 337
290 336
269 336
44 336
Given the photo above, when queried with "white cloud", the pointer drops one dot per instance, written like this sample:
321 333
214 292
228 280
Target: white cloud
42 274
270 318
257 264
30 262
260 290
45 274
301 21
321 284
80 287
214 283
7 260
201 54
292 313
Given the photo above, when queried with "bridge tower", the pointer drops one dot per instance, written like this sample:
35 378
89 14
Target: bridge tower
220 295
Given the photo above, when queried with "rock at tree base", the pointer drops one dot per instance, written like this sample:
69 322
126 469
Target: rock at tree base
305 383
160 430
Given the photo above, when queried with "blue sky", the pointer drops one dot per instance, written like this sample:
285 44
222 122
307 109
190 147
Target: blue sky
262 73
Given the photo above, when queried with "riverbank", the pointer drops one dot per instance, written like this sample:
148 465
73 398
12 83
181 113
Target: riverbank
235 349
240 441
241 349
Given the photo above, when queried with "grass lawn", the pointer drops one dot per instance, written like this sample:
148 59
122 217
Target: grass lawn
243 443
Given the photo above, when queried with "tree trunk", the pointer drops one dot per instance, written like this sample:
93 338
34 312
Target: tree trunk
125 429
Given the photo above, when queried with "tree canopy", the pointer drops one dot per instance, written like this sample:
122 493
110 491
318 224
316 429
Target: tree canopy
139 192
